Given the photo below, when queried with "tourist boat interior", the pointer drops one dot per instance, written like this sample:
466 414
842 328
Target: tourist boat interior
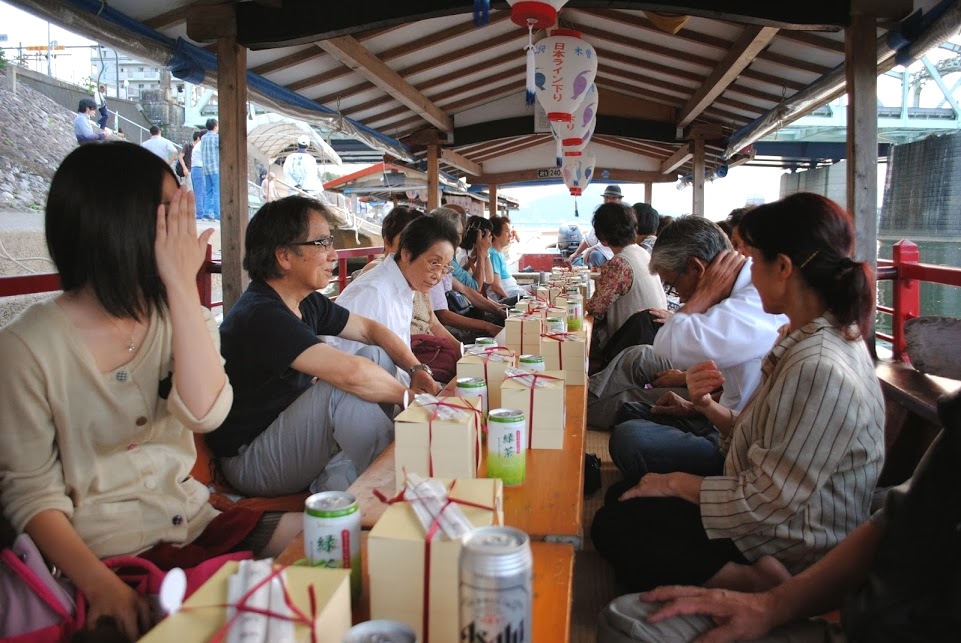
439 89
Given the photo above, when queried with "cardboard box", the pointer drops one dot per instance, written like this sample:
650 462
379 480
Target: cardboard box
203 614
523 333
452 446
566 352
396 562
550 293
491 367
547 419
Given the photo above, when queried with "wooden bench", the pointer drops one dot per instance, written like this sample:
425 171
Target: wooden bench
911 416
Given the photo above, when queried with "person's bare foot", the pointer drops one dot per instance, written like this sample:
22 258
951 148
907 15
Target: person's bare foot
764 574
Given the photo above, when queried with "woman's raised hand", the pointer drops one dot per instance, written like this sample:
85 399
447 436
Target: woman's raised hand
116 600
180 252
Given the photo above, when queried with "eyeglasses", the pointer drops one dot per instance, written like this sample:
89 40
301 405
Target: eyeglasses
324 242
670 290
443 268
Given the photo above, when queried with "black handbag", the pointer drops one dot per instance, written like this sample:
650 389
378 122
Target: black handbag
458 303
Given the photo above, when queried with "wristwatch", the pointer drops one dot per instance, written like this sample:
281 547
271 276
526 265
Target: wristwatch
420 367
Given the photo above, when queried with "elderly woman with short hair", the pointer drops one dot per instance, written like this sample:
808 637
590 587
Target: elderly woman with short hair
625 285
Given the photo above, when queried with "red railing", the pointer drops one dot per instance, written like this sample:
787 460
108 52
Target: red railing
906 271
353 253
50 281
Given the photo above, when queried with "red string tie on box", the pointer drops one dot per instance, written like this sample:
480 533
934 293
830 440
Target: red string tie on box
478 417
534 378
560 337
428 538
487 353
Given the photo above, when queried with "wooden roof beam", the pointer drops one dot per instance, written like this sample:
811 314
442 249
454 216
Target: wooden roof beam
354 55
615 176
452 158
736 60
677 159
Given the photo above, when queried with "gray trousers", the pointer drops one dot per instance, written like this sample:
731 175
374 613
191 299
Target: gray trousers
623 381
624 620
321 441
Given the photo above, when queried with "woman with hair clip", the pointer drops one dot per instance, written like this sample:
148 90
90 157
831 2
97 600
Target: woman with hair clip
803 456
106 384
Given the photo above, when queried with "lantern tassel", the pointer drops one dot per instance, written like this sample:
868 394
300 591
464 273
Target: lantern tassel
559 153
529 97
482 12
576 214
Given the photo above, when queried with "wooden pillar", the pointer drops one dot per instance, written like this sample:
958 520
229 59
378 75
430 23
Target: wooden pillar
861 69
648 192
232 117
697 205
492 191
433 177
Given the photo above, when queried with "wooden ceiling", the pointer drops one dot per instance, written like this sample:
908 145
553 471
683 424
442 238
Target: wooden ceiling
427 75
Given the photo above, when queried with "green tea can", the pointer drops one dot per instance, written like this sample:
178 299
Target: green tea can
534 363
556 325
332 534
485 341
507 446
472 387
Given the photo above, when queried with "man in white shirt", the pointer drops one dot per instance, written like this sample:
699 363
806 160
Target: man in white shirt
300 169
162 147
722 319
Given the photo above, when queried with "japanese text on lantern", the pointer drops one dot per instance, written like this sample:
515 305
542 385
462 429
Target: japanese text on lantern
557 80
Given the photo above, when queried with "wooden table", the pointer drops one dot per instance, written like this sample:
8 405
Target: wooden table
548 506
553 581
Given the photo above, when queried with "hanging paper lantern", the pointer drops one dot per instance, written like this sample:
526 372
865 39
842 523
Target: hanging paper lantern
573 132
539 14
577 170
564 69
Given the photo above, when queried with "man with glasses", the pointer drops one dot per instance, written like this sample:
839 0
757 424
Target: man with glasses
304 414
722 320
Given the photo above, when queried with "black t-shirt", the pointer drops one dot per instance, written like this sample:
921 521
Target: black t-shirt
259 338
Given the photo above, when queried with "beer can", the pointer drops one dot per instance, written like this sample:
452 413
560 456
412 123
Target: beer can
472 387
530 362
556 325
485 341
380 631
332 533
496 586
507 446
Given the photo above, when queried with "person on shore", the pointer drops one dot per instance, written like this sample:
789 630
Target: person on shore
804 454
100 98
82 125
162 147
305 414
197 177
210 162
300 169
108 382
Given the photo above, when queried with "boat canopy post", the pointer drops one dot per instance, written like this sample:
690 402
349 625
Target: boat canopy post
492 199
433 176
860 41
648 192
232 112
697 205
